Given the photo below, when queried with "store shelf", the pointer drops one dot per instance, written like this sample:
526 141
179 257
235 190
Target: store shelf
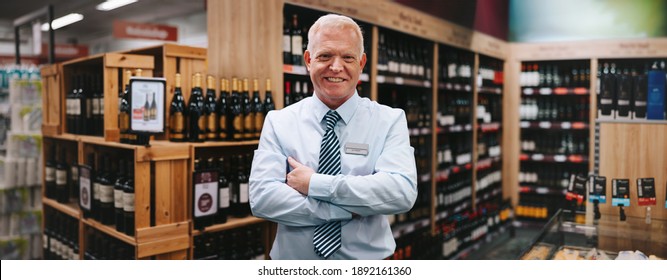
554 91
490 127
486 163
537 157
554 125
442 175
541 190
481 241
158 149
632 121
405 229
488 194
230 224
490 90
455 87
213 144
453 209
420 131
71 209
454 128
396 80
110 231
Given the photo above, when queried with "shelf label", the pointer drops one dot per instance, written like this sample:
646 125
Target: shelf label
399 80
381 79
560 158
565 125
467 88
545 91
468 127
560 91
578 125
457 87
427 84
364 77
525 124
538 157
542 190
528 91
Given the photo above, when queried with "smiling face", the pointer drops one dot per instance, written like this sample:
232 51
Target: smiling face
335 62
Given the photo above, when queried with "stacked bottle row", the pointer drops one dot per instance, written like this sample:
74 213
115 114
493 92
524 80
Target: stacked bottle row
231 116
416 245
455 150
488 145
462 230
100 246
405 58
632 89
488 179
454 109
556 176
220 189
61 179
296 90
295 40
456 191
555 142
245 243
109 179
537 207
555 108
489 108
456 67
490 72
553 74
84 104
60 238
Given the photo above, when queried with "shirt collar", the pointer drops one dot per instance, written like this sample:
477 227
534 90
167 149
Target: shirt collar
346 110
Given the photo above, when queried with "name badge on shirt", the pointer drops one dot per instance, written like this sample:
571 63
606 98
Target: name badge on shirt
356 149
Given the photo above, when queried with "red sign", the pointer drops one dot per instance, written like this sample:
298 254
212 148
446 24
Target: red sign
66 50
135 30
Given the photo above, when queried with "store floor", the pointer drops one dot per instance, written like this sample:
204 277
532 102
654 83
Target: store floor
505 246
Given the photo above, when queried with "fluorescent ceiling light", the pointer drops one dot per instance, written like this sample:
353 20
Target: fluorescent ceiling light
112 4
62 21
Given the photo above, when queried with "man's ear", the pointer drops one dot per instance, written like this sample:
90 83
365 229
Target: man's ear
306 58
362 61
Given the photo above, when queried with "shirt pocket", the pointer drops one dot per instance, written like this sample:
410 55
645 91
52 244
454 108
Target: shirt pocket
359 165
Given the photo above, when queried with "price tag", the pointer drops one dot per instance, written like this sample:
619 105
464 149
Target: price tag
597 189
525 124
538 157
646 191
380 79
364 77
542 190
467 88
528 91
620 192
545 125
427 84
565 125
545 91
398 80
560 158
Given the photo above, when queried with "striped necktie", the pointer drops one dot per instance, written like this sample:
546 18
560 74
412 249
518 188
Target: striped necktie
327 236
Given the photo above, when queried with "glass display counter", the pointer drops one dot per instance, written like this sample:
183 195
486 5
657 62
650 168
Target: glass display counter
568 236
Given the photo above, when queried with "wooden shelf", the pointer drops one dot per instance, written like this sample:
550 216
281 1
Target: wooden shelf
632 121
230 224
401 81
71 209
455 128
110 231
539 157
487 162
455 87
542 190
577 125
213 144
527 91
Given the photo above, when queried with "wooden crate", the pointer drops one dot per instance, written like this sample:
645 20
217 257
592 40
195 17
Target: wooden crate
52 86
169 60
160 172
113 67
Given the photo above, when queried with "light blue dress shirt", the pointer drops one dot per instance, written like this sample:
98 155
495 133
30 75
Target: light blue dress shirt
380 183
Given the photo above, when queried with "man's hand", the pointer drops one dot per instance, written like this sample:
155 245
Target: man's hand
299 178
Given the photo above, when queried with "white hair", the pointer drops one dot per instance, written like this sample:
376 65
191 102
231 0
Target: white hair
335 21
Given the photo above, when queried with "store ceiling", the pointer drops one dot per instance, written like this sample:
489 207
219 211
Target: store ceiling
97 23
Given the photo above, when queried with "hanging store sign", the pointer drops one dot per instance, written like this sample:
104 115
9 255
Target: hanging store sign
135 30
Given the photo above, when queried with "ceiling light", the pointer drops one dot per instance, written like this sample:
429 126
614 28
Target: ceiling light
112 4
62 21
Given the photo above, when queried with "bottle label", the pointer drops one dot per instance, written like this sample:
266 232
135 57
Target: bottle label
101 104
224 198
77 107
96 106
176 120
206 193
106 193
96 191
243 195
61 177
248 124
84 189
50 174
211 123
89 107
128 202
238 127
74 171
296 45
259 122
223 127
201 123
287 47
118 198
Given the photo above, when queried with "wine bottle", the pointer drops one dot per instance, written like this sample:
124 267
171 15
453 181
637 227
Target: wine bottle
62 193
74 180
287 43
125 110
98 106
153 108
248 116
205 195
223 110
236 113
268 99
99 170
177 112
118 196
69 109
223 192
50 174
196 118
128 201
79 107
288 99
107 181
210 110
146 112
297 40
87 111
257 109
86 187
240 206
